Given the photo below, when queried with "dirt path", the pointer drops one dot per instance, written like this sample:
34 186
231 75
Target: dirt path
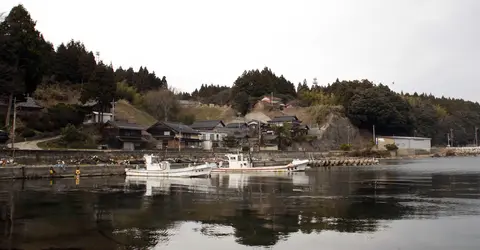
32 145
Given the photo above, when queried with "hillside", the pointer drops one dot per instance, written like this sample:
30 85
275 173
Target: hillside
124 111
205 112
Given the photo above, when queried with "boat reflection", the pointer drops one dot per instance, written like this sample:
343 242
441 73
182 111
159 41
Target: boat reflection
235 181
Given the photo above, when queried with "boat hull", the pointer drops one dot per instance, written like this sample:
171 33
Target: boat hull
295 166
194 171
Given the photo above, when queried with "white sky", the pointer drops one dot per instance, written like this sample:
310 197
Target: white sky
421 45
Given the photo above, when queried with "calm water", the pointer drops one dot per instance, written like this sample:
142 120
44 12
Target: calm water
425 204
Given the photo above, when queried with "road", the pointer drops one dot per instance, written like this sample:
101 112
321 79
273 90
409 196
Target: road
32 145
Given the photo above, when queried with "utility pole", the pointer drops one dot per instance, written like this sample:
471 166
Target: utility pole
113 110
448 139
374 138
259 134
13 127
180 141
271 99
476 136
451 136
348 134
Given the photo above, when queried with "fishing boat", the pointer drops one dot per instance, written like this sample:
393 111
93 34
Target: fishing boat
241 163
156 167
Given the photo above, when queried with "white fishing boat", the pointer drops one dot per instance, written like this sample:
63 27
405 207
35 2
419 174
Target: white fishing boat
155 167
241 163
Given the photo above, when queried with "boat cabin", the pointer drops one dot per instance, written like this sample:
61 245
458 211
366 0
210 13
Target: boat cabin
155 163
238 161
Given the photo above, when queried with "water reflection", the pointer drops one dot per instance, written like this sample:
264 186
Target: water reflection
255 210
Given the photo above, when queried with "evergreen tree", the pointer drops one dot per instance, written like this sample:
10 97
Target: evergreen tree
101 87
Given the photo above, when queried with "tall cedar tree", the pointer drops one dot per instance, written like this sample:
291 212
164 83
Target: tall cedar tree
24 52
24 55
101 87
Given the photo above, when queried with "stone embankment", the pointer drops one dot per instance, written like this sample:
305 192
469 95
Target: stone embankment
458 151
344 162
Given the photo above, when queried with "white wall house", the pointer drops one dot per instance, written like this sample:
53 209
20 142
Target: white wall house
211 137
96 117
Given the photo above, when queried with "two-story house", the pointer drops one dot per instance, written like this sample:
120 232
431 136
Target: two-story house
297 127
124 135
210 132
174 135
280 120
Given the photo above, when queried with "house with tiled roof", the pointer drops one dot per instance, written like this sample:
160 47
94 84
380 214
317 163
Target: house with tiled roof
174 135
210 133
124 135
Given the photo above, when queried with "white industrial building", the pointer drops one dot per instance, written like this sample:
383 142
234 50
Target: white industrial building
403 142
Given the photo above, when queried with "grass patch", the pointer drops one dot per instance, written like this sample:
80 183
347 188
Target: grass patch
127 112
209 113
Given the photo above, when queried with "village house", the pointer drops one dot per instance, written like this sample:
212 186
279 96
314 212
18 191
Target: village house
96 115
280 120
297 127
174 135
23 108
28 107
209 133
237 125
272 100
124 135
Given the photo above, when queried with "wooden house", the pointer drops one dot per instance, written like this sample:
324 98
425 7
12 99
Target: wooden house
124 135
174 135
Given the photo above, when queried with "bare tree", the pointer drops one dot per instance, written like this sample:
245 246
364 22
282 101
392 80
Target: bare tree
161 103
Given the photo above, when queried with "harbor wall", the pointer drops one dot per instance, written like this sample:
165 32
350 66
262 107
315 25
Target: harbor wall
35 172
31 157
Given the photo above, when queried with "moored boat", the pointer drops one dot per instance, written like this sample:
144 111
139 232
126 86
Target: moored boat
155 167
240 163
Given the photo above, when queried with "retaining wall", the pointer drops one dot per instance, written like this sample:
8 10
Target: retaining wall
30 157
34 172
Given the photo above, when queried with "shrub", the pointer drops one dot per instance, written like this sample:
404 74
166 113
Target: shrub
187 119
346 147
57 117
71 134
391 147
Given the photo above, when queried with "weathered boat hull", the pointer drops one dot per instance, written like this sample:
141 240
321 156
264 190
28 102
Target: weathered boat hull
194 171
295 166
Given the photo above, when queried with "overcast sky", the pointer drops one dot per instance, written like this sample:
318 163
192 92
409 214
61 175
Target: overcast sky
421 45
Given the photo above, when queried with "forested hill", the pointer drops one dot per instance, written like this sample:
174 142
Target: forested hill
28 60
365 104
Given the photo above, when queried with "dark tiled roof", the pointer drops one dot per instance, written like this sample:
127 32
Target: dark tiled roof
126 125
236 125
130 139
285 118
92 103
236 132
29 103
256 122
206 125
180 127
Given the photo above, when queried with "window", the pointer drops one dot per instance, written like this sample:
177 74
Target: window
212 137
166 132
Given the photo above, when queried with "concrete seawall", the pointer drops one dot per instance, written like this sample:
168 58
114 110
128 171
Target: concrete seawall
34 157
35 172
